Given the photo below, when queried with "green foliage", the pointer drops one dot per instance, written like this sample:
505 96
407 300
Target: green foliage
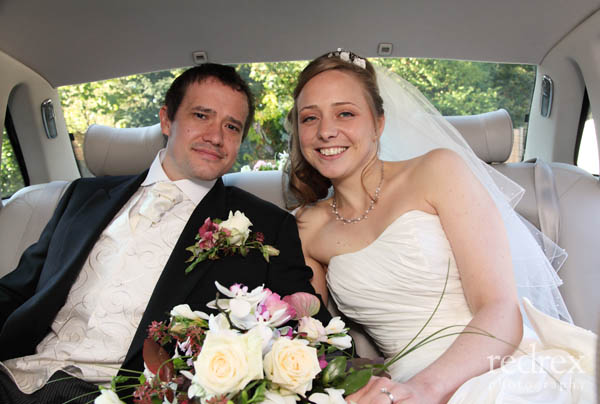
454 87
11 179
123 102
465 88
272 84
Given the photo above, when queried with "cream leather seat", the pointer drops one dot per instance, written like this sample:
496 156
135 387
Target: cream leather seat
22 219
578 194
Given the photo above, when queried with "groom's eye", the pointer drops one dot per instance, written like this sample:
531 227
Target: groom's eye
233 127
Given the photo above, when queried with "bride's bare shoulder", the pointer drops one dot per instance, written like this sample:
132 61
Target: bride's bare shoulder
440 162
434 160
314 216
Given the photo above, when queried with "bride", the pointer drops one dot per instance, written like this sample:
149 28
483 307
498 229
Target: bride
391 233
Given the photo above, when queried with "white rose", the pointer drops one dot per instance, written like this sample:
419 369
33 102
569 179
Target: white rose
272 397
238 224
333 396
335 326
108 397
344 342
227 363
184 310
313 329
292 365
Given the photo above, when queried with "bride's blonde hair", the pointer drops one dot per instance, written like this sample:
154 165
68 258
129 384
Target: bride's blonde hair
305 182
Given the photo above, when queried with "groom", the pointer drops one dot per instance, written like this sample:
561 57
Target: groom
112 259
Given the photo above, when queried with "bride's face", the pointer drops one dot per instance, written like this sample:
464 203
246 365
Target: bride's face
337 129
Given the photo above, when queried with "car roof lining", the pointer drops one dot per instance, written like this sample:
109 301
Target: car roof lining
73 41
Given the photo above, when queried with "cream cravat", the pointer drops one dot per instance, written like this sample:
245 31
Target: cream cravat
161 197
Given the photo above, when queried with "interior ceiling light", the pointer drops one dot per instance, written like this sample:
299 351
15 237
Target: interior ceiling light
199 57
385 49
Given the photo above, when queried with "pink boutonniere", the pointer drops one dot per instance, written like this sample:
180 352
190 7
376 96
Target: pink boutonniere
217 238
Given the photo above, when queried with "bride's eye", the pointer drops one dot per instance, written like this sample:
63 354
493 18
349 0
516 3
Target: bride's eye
346 114
306 119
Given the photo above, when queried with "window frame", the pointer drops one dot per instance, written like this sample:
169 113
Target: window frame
13 139
585 110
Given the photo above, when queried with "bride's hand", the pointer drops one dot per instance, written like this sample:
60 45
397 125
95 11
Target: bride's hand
381 390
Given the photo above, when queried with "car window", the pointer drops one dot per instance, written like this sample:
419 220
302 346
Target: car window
11 178
587 155
454 87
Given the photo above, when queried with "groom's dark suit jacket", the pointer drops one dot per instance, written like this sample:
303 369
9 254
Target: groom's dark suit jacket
32 295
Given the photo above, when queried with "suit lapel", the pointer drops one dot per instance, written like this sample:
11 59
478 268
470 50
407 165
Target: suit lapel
92 218
174 285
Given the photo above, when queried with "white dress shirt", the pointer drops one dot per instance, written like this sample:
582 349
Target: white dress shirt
91 334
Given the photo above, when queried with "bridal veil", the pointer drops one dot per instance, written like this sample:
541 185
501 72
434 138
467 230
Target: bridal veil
413 127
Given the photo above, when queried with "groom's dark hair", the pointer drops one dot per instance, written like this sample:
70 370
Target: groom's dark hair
305 182
225 74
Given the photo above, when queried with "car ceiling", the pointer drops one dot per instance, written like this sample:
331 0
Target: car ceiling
73 41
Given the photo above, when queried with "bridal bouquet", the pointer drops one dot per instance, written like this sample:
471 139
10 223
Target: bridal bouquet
247 353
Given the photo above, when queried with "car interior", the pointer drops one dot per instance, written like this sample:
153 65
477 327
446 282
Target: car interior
46 45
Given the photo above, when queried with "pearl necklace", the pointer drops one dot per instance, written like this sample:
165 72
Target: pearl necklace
374 200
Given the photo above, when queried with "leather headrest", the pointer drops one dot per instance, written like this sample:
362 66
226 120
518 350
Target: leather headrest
121 151
490 135
116 151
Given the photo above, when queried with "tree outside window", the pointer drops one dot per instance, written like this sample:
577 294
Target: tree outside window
11 179
453 87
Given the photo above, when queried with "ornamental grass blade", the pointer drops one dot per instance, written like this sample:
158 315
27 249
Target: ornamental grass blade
157 360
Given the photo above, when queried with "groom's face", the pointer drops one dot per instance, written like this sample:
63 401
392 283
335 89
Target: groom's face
206 133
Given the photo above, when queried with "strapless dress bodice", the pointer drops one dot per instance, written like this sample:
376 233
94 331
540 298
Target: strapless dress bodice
392 286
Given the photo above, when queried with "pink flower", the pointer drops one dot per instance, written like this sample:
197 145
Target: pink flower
238 289
304 304
207 241
259 237
207 234
273 303
259 164
208 229
322 362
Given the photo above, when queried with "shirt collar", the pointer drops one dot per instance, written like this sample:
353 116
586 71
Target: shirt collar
194 189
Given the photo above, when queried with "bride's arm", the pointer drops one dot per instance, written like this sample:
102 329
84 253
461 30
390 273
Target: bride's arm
307 229
478 239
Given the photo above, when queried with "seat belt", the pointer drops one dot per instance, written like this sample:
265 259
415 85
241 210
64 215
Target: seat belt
547 199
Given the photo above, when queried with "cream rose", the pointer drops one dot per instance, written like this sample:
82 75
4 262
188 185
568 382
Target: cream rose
228 362
238 224
292 365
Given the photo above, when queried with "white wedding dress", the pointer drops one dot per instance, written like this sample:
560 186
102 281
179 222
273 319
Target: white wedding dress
391 288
